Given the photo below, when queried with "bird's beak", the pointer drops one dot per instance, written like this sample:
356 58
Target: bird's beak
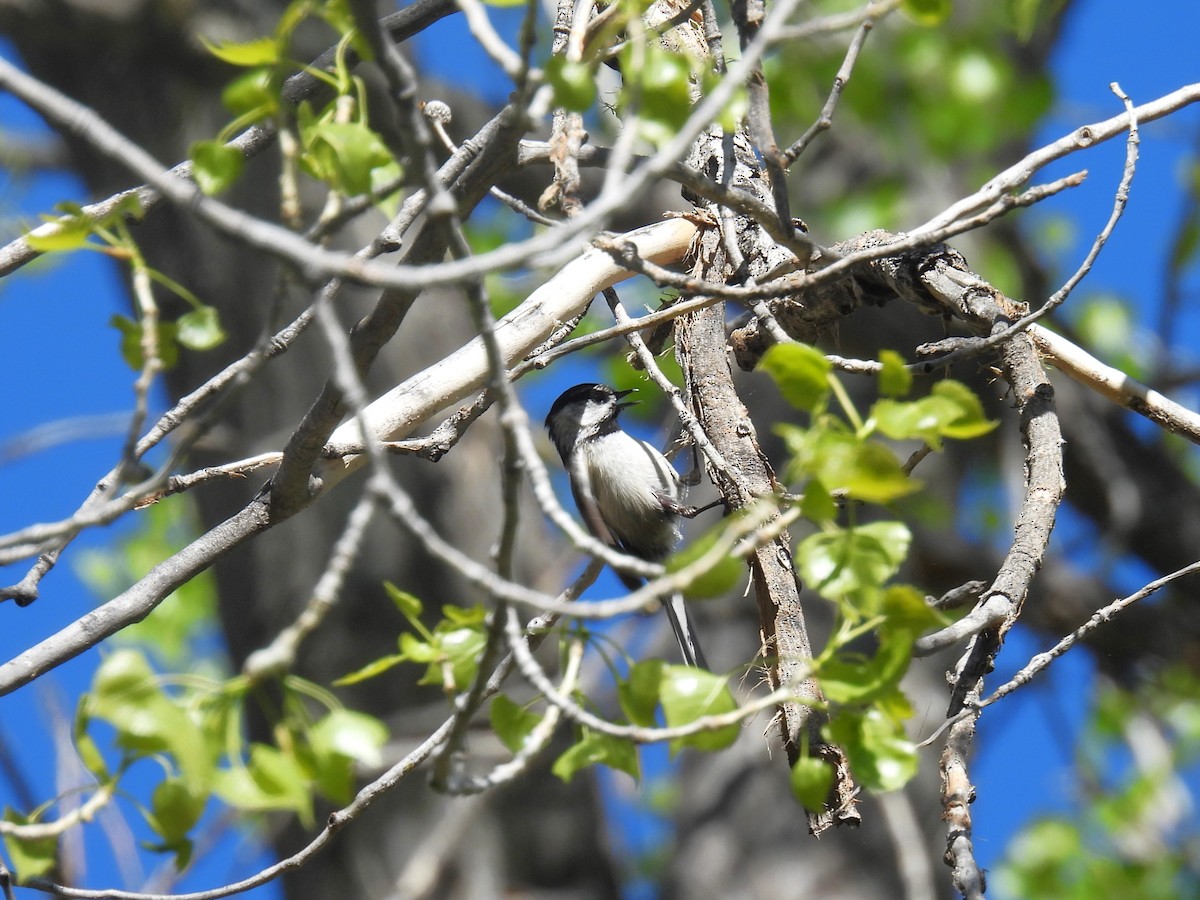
628 403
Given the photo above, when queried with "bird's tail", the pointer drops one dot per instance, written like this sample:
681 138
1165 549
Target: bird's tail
685 632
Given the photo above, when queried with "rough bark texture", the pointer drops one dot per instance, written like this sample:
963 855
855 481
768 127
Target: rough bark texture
700 339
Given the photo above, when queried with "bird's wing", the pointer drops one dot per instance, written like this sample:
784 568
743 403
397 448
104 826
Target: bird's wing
589 508
585 500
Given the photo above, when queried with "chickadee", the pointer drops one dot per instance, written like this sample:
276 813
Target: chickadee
626 491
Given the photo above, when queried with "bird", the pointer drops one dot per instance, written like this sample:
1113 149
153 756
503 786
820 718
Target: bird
626 490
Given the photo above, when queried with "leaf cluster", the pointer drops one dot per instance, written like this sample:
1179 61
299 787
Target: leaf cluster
652 692
449 651
197 329
337 145
189 727
842 462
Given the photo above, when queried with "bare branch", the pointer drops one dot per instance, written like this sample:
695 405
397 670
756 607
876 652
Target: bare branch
1115 385
1105 614
1120 198
1080 139
825 119
957 795
877 9
279 656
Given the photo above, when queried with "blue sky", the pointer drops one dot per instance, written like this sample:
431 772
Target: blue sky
61 309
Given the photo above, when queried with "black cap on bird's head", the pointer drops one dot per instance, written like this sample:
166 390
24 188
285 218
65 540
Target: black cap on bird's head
588 392
581 411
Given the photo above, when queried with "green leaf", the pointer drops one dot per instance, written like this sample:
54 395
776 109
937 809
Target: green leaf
1025 15
91 757
895 380
728 571
336 14
843 461
865 471
846 679
371 669
465 616
688 694
384 180
1187 242
183 848
131 342
200 329
638 693
175 808
416 650
410 606
810 780
343 154
928 12
658 84
923 419
818 504
801 372
125 693
271 781
85 748
952 410
251 94
845 562
260 52
457 659
512 722
1105 323
905 607
29 859
354 735
880 755
970 421
215 165
574 83
69 233
596 747
336 743
666 92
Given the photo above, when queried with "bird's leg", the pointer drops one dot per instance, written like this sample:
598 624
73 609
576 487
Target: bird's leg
676 508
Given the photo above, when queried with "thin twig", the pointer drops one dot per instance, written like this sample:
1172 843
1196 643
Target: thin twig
440 115
510 485
279 656
533 671
1120 199
650 366
825 119
877 9
1105 614
485 35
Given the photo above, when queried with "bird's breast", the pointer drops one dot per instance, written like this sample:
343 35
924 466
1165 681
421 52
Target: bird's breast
629 477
